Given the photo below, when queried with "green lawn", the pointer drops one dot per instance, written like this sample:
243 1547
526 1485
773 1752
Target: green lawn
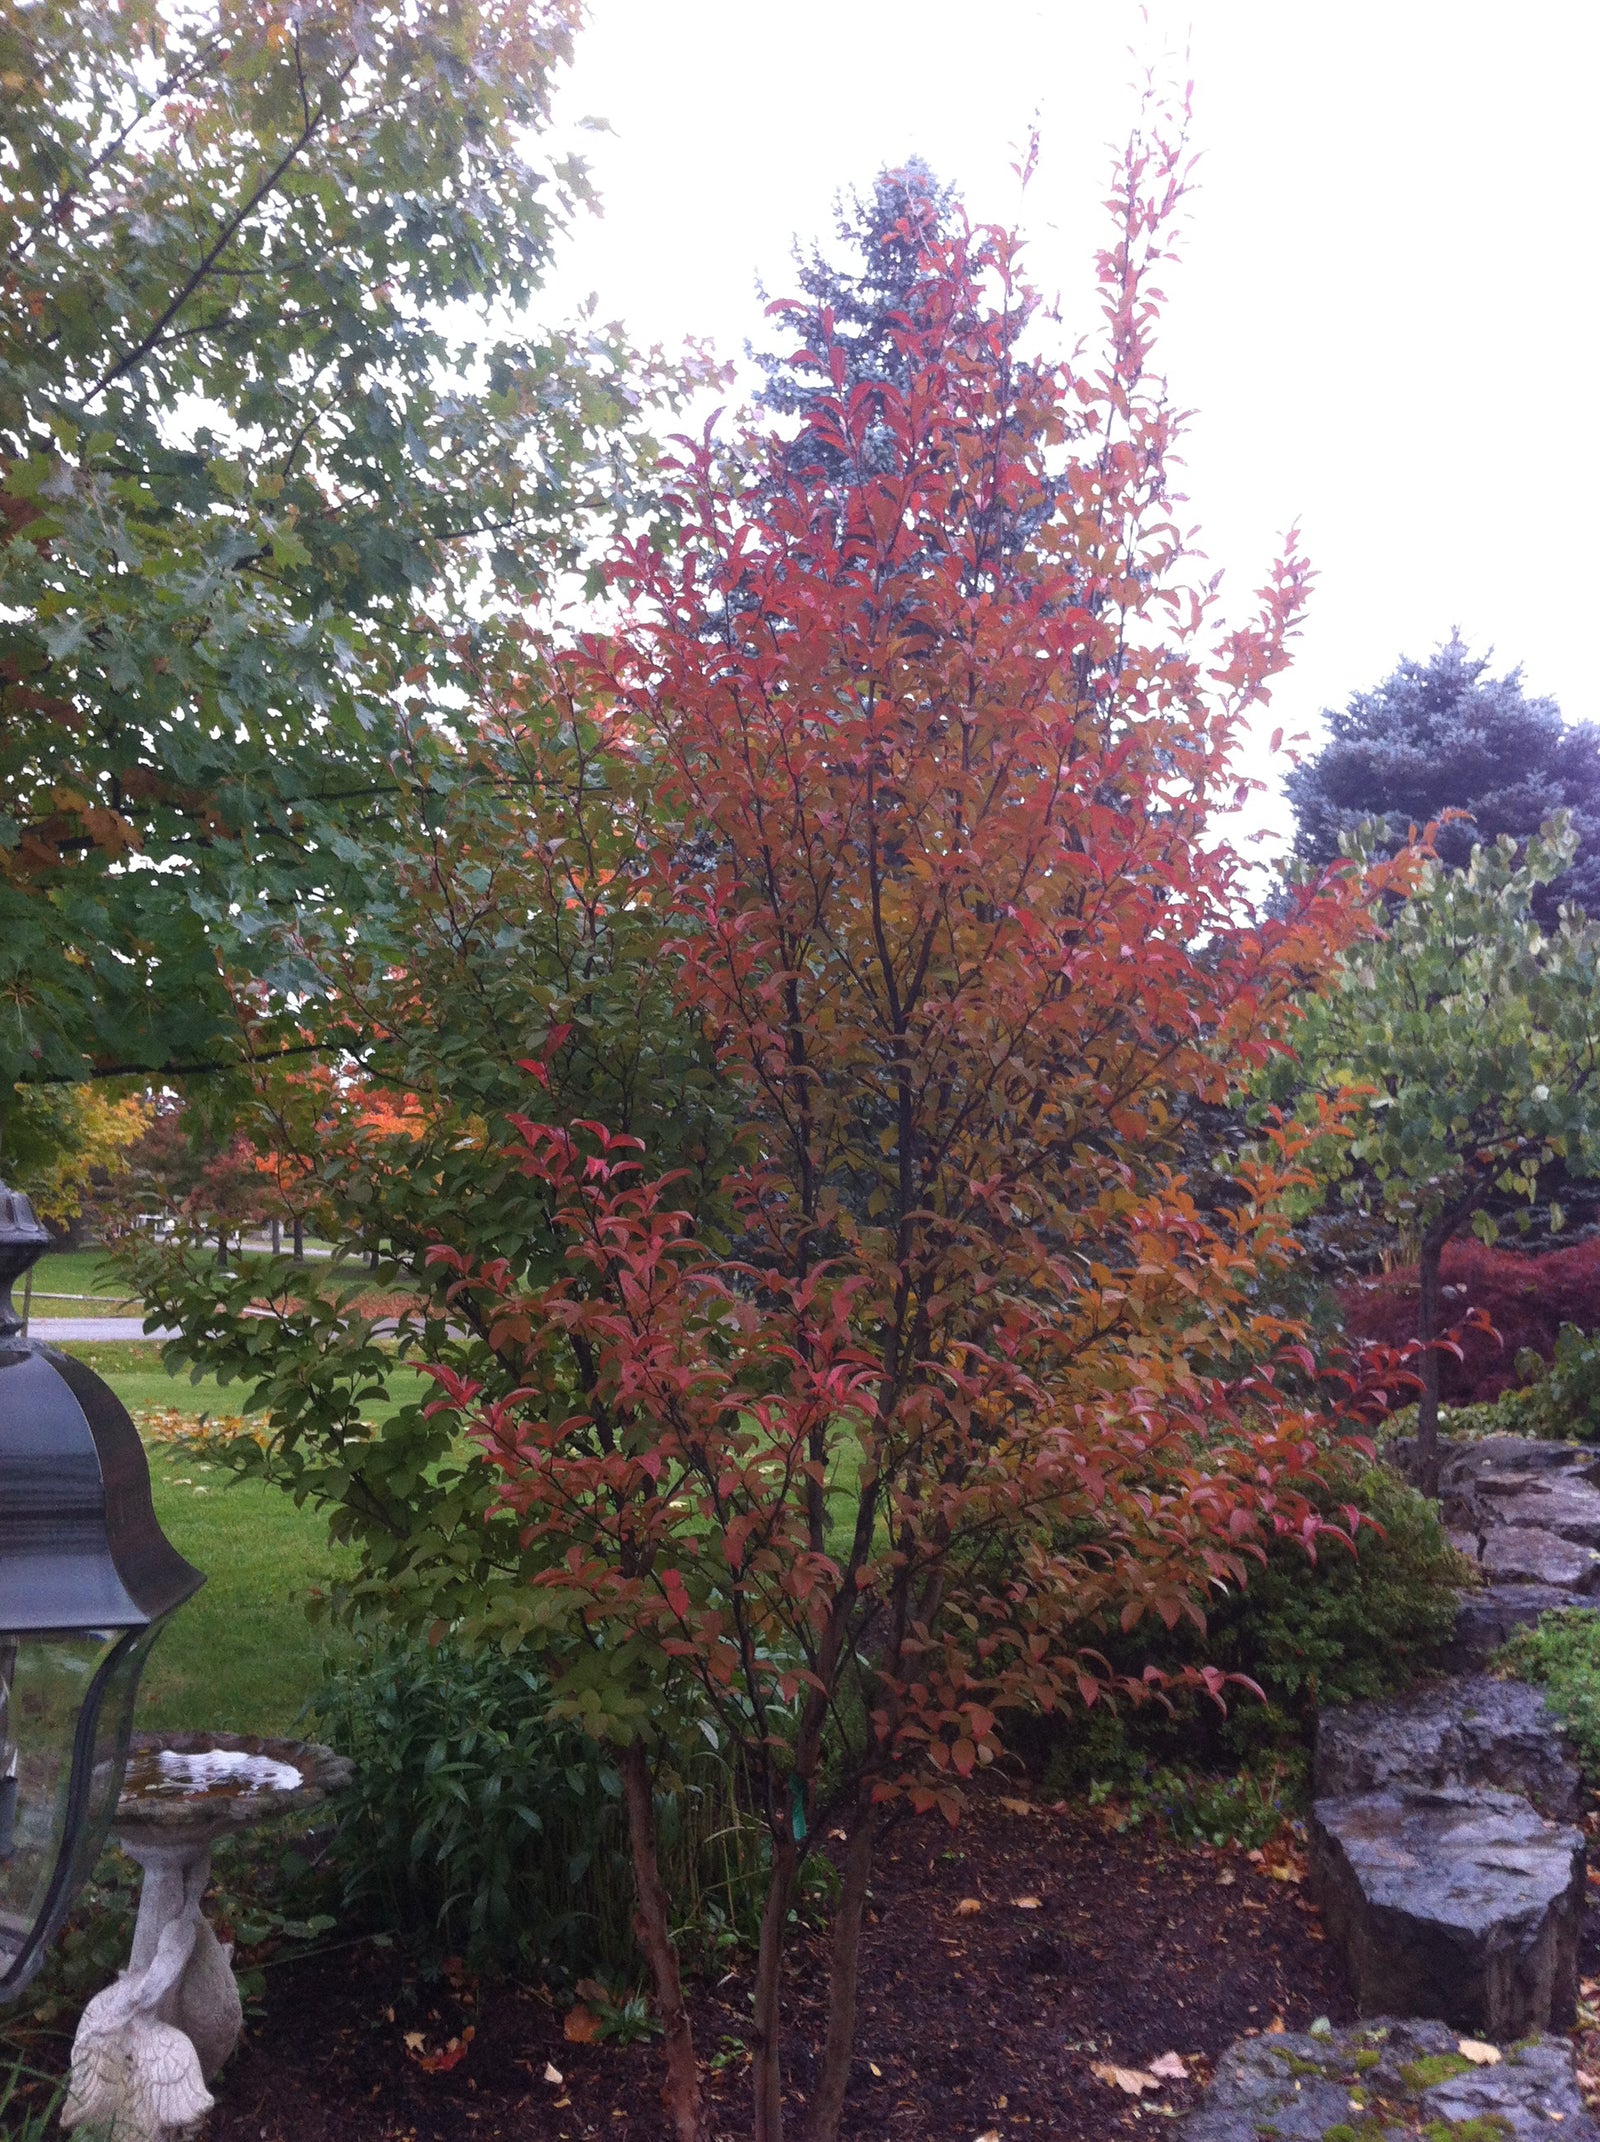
242 1656
61 1274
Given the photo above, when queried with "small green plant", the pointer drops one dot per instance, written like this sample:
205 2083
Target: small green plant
614 2015
28 2102
1248 1808
1561 1655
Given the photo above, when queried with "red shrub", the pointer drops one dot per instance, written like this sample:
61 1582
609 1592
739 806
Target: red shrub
1527 1299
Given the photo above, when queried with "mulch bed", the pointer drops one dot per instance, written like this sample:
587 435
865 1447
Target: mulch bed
985 2023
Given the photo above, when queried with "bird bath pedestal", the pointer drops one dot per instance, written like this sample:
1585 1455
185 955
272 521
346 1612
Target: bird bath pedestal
148 2045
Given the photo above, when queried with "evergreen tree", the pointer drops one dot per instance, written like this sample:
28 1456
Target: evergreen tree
880 284
1445 735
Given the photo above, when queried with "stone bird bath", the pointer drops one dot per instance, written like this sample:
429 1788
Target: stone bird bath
149 2043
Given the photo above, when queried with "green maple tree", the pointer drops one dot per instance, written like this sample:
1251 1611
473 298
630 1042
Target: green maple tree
266 464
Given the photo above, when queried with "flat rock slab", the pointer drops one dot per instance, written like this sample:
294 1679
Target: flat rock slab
1486 1619
1386 2080
1513 1454
1527 1554
1462 1459
1459 1904
1464 1732
1556 1502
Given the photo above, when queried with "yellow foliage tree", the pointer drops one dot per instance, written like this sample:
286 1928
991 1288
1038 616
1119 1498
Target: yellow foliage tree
63 1140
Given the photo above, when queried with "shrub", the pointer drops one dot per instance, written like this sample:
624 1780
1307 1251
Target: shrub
1561 1655
479 1826
1347 1627
1528 1300
1562 1404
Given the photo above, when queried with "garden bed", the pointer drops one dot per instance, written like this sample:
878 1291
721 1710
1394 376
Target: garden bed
975 2023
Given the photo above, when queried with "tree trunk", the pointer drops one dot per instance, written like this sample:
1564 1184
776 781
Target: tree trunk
277 1236
681 2092
1428 1262
222 1249
843 1969
766 2052
372 1258
299 1239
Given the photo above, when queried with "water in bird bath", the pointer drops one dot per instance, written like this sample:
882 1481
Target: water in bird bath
205 1774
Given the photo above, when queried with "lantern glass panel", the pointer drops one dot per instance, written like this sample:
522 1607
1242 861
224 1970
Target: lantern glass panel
66 1712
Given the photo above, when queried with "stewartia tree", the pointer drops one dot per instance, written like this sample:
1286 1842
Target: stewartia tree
938 735
1475 1035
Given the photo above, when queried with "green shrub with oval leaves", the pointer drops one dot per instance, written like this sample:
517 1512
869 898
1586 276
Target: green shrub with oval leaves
1353 1624
478 1825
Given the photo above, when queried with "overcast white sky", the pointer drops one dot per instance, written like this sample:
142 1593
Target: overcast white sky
1383 320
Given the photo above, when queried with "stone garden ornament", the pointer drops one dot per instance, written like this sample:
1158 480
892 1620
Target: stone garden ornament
147 2046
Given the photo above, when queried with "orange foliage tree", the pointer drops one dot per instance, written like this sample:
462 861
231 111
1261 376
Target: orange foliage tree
939 732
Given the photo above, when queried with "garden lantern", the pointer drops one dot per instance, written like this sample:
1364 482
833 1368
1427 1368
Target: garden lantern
87 1578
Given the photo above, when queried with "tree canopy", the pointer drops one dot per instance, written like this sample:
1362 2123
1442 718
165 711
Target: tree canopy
1474 1036
1444 735
267 463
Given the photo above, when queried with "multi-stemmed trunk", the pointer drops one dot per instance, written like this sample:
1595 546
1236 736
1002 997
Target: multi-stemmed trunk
843 1972
653 1925
766 2035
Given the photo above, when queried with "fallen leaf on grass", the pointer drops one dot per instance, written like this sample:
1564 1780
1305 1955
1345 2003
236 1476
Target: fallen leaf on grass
582 2025
1027 1904
968 1907
1481 2055
1016 1807
552 2074
1170 2068
1132 2081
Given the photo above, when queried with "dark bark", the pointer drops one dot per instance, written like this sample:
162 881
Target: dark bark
299 1239
766 2050
844 1965
277 1236
222 1249
681 2091
1428 1263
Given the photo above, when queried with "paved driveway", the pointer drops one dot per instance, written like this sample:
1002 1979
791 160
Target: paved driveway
94 1327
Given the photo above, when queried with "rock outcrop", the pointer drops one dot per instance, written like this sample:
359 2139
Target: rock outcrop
1528 1513
1462 1732
1458 1903
1389 2078
1445 1857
